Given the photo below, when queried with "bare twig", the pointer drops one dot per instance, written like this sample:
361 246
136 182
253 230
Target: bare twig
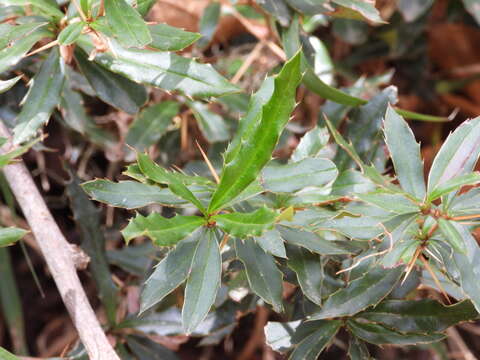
456 339
56 251
257 337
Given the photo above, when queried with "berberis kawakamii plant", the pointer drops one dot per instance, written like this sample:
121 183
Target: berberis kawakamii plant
357 242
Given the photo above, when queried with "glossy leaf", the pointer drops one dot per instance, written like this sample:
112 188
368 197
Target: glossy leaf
41 99
391 202
162 231
6 85
358 9
311 241
452 234
458 154
212 125
244 225
114 89
126 23
279 10
263 275
162 176
361 293
424 316
171 272
454 184
164 70
170 38
48 7
311 144
208 23
298 175
71 33
278 335
405 153
151 124
380 335
203 281
272 243
310 7
357 349
312 345
308 268
10 235
260 138
129 194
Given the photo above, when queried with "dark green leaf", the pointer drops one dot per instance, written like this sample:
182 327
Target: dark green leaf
146 349
152 123
472 7
395 203
308 268
454 184
405 153
164 70
10 235
298 175
310 347
144 6
169 38
49 7
272 243
129 194
279 335
361 293
71 33
458 154
380 335
162 176
452 233
357 349
419 316
208 23
162 231
310 7
244 225
212 125
126 23
203 281
279 10
263 275
311 144
6 85
172 271
358 9
114 89
351 182
258 138
41 99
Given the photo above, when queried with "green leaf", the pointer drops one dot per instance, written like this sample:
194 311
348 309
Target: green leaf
263 275
298 175
395 203
212 125
111 88
279 334
380 335
169 38
309 270
245 225
6 85
310 7
146 349
71 33
458 154
260 138
7 158
405 153
164 70
10 235
472 7
144 6
152 123
279 10
126 23
49 7
272 243
453 184
87 218
351 181
419 316
452 234
129 194
162 176
358 9
310 347
357 349
162 231
5 355
311 144
42 98
311 241
361 293
203 281
208 23
171 272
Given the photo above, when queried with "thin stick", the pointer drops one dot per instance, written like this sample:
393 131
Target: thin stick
45 47
458 341
80 11
466 217
435 278
209 164
248 61
57 254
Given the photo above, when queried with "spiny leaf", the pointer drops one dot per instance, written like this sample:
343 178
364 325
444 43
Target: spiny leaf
169 38
245 225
